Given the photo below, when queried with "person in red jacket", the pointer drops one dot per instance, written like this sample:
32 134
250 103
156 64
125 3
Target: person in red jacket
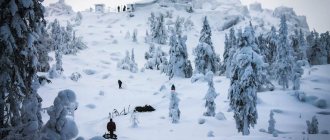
111 128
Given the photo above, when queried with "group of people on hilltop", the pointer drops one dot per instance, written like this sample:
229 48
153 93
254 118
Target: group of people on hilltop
130 7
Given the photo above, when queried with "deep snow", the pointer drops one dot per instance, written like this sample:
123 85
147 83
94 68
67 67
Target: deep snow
98 94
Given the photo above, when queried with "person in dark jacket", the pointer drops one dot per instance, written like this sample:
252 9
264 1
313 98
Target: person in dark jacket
118 9
119 84
173 88
111 126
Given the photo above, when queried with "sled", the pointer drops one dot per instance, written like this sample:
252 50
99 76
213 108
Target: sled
107 136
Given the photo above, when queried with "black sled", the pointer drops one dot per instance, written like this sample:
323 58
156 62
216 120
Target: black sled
108 136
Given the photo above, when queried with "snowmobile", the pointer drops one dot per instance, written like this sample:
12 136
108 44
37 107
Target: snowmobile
107 136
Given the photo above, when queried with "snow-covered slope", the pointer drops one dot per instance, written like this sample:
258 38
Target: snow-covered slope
98 94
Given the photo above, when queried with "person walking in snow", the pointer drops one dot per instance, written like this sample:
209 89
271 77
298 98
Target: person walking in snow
111 126
124 9
119 84
118 9
173 87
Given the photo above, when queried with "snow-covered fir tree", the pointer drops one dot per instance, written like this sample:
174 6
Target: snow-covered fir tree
57 36
230 49
78 18
312 127
210 96
60 125
134 35
271 123
244 83
158 30
325 43
174 111
205 57
155 57
297 72
44 46
317 53
128 63
134 120
179 65
284 58
20 104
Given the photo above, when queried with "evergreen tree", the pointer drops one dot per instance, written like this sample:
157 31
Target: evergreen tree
128 63
179 65
206 59
155 58
303 46
57 34
210 96
271 126
317 53
174 111
158 31
43 48
312 127
134 35
244 83
229 52
297 73
20 104
284 57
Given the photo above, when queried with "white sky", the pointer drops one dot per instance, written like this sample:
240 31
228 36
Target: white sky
316 11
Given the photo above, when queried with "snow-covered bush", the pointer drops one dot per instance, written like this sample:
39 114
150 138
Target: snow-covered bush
78 18
128 63
312 127
201 121
271 122
53 73
156 58
60 125
220 116
321 103
301 96
188 24
297 73
75 76
210 96
134 119
174 112
210 134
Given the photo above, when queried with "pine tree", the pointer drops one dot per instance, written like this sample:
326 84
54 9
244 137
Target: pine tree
174 112
317 52
205 57
244 83
179 65
155 58
312 127
43 48
128 63
230 50
20 104
297 73
134 35
210 96
158 31
271 126
284 57
57 34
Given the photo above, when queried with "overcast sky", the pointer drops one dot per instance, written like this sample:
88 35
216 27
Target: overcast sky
316 11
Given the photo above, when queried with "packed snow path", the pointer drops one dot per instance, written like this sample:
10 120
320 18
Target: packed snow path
98 94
